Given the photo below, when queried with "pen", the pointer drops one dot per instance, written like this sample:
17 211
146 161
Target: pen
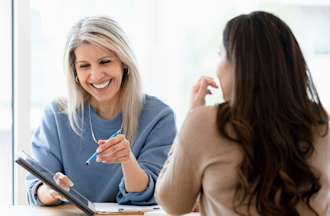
95 154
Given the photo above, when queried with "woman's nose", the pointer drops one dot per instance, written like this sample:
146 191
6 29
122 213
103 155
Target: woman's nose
95 74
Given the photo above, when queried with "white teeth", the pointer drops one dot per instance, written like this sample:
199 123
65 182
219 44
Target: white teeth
101 85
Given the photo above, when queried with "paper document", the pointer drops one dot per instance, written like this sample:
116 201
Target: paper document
115 207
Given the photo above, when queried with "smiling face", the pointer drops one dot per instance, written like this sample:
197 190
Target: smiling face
100 73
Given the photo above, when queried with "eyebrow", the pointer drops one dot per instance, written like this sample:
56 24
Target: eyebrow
107 56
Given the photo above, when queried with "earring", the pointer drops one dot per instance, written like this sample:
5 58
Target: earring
126 71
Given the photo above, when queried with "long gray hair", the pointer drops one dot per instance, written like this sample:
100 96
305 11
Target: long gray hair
103 32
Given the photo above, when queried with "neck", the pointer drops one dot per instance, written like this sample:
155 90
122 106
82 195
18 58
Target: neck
106 110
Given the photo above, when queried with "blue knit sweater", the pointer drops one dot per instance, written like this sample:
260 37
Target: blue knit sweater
56 146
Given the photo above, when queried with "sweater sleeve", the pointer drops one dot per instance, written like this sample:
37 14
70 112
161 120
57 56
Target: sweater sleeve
179 182
151 158
45 149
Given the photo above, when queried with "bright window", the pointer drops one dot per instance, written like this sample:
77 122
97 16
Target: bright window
174 41
5 103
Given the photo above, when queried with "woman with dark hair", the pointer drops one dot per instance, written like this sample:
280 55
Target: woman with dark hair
266 149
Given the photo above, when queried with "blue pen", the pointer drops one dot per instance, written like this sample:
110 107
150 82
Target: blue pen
93 157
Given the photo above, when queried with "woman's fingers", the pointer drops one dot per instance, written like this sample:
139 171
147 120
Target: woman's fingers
209 80
201 89
112 160
206 82
113 150
56 195
62 180
116 150
104 144
124 152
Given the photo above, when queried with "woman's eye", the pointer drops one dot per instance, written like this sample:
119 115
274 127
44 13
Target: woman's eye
83 65
105 61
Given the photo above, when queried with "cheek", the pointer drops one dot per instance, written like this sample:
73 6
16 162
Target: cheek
226 80
119 78
117 71
82 77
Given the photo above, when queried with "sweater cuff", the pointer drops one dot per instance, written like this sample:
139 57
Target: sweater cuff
137 198
33 196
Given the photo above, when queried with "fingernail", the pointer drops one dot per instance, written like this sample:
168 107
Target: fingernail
57 175
98 159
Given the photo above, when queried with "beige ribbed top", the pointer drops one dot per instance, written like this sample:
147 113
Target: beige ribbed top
204 163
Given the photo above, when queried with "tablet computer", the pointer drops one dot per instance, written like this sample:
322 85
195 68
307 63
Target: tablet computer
73 196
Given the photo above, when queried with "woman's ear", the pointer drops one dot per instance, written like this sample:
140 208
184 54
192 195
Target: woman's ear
125 74
126 71
76 79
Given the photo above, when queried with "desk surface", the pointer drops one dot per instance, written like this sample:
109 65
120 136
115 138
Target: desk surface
64 210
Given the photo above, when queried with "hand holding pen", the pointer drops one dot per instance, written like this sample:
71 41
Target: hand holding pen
97 152
116 149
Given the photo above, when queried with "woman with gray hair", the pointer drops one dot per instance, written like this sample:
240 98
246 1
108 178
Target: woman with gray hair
105 100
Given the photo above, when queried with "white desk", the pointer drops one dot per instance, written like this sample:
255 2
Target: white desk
64 210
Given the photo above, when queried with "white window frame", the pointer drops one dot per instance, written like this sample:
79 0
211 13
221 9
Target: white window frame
6 48
21 92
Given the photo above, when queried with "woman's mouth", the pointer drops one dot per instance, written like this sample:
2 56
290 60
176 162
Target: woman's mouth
102 85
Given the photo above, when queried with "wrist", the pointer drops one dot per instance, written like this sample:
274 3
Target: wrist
196 104
130 160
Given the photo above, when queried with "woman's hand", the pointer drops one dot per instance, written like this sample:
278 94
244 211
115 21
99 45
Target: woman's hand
197 205
48 196
116 150
200 90
196 208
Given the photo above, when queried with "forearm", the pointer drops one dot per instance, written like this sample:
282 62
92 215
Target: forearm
136 179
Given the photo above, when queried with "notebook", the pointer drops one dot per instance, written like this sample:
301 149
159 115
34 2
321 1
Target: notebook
73 196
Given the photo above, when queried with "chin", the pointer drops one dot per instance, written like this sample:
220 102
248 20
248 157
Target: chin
105 97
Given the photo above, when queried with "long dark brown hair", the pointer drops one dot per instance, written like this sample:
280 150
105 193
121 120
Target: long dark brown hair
273 111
